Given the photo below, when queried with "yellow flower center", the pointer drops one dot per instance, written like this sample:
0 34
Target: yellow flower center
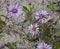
14 10
43 48
41 16
34 28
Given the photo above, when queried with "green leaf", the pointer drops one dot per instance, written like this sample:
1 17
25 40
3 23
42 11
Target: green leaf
32 10
2 23
51 6
57 33
48 38
28 37
25 9
1 36
4 31
10 45
46 29
56 45
55 23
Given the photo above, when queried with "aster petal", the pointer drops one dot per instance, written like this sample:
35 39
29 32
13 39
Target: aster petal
19 11
16 6
36 25
49 17
36 32
43 12
36 17
33 33
49 47
37 13
11 14
17 15
40 46
37 28
11 7
31 25
43 45
43 20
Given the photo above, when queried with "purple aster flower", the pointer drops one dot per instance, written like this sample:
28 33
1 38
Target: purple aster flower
41 16
33 29
14 10
44 46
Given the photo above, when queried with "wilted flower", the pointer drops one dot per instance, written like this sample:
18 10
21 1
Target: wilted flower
33 29
49 19
44 46
29 3
14 10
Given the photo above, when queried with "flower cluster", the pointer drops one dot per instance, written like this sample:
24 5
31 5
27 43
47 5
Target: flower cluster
40 25
34 29
42 16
